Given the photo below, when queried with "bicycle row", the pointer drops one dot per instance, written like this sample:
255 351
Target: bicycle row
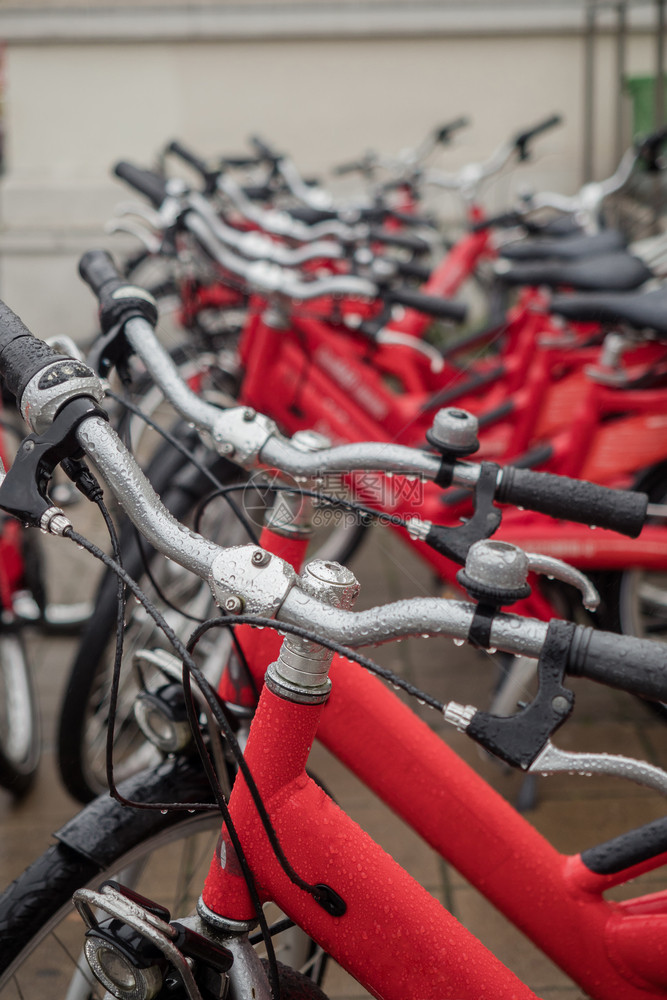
304 854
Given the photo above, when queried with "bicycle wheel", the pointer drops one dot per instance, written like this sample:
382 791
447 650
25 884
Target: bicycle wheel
208 360
19 717
164 857
635 600
84 714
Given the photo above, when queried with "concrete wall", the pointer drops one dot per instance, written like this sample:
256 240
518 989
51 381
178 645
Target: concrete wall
76 104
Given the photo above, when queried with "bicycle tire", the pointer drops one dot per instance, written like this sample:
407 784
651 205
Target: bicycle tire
634 601
207 335
19 716
82 719
40 934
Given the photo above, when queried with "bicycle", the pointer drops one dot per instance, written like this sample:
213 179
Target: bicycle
83 724
24 604
386 930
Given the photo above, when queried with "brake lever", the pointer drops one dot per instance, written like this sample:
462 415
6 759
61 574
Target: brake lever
145 212
455 543
385 336
23 491
557 570
520 739
553 760
147 239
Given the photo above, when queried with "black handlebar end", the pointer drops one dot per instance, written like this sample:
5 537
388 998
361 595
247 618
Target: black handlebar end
147 182
97 268
621 661
22 354
521 140
574 500
431 305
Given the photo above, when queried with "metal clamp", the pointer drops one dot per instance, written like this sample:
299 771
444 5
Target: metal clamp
243 579
23 489
241 433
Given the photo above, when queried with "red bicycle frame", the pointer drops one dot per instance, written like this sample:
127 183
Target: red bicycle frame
296 374
11 555
394 937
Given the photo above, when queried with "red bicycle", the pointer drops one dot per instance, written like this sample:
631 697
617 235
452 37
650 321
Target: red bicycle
304 853
309 373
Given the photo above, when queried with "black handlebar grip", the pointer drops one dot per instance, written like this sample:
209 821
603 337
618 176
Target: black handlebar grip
264 150
258 192
119 301
147 182
574 500
238 162
311 216
648 149
409 219
522 139
410 269
429 304
22 354
443 132
98 270
504 220
407 241
620 661
178 149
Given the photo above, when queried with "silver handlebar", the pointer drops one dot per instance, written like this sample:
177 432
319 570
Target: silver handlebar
587 202
259 246
272 589
468 179
269 278
253 440
282 224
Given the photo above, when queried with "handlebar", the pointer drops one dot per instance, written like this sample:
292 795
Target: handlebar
443 133
195 161
648 149
588 200
408 159
521 139
259 246
147 182
271 587
468 180
264 151
621 510
257 440
623 662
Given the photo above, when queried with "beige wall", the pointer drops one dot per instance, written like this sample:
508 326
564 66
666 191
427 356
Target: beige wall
73 108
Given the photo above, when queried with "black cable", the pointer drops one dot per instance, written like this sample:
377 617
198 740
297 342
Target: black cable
156 586
285 627
190 668
186 452
212 700
118 651
381 516
195 637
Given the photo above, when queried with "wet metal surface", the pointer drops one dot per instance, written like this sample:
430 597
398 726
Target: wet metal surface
573 812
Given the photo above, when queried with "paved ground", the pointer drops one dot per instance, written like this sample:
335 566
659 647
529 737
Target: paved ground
573 812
